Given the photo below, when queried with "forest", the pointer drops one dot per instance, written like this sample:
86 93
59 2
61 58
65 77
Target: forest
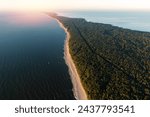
113 63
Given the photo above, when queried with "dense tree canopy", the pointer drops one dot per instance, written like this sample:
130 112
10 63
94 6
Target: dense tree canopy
113 63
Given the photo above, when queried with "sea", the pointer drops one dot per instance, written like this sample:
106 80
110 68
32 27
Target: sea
135 20
32 64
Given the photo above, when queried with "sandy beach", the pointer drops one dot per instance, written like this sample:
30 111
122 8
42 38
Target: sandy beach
78 89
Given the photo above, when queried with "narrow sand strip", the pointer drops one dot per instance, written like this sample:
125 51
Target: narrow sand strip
78 89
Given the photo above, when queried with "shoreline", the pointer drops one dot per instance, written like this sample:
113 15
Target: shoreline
78 89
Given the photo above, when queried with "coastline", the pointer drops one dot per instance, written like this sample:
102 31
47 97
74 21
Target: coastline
78 89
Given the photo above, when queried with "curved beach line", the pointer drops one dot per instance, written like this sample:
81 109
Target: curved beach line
78 89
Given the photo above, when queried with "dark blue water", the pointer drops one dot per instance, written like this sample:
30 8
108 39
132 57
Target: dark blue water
134 20
31 58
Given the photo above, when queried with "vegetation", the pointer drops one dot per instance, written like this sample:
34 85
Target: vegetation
113 63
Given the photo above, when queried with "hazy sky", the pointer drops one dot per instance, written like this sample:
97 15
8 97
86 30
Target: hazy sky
47 5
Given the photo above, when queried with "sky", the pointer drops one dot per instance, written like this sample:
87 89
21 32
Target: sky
52 5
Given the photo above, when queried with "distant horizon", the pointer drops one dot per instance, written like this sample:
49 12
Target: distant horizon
84 5
75 10
71 10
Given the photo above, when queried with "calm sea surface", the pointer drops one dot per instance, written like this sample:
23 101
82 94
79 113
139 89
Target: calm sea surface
31 58
32 50
131 20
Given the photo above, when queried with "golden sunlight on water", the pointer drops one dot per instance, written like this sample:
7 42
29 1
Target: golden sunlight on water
31 58
28 19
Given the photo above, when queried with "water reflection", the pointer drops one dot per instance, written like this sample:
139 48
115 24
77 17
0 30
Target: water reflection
31 58
25 18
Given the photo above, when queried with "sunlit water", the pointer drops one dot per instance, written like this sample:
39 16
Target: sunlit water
132 20
31 58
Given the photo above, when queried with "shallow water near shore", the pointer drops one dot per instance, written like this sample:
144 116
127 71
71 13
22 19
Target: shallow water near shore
32 64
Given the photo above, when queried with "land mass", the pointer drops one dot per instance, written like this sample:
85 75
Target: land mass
78 89
112 62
